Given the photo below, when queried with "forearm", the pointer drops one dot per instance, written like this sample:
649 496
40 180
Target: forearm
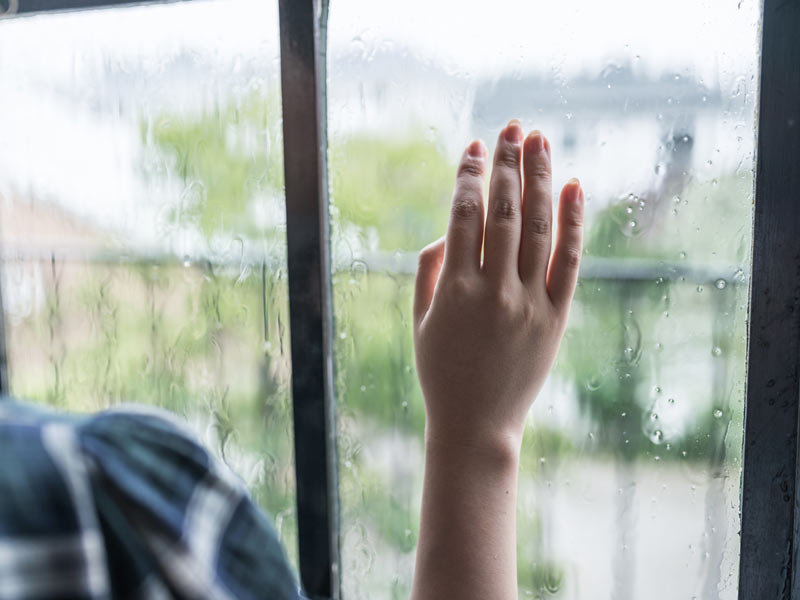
467 539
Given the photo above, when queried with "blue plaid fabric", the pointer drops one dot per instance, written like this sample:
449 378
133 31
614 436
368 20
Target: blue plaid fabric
126 504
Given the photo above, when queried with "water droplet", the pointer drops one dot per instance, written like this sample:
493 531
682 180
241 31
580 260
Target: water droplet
717 413
720 283
593 384
657 390
542 460
682 255
657 436
699 289
716 351
653 416
671 400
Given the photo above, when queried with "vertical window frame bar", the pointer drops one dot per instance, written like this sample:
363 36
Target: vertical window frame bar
303 24
4 385
769 495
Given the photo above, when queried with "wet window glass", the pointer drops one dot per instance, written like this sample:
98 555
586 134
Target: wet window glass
142 224
629 486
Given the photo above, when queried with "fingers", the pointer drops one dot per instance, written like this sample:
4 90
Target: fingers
465 229
430 263
537 211
563 273
501 246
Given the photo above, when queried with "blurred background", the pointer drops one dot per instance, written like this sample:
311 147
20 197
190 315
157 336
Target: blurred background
143 256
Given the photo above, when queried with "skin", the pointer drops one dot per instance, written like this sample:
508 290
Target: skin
485 337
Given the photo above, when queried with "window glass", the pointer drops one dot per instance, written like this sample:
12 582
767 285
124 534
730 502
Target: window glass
631 460
143 227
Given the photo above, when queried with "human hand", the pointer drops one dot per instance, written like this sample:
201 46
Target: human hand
486 335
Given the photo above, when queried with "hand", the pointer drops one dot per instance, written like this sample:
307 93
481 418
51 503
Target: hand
486 335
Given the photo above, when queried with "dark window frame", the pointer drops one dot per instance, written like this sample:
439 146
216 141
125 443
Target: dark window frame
770 497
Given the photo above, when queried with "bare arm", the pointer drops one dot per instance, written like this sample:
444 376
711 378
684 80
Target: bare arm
485 338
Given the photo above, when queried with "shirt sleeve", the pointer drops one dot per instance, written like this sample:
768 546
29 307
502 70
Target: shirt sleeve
169 519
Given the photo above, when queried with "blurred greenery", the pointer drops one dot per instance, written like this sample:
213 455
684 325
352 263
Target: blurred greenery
400 189
197 339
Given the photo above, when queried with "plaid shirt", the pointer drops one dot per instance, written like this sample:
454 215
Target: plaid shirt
125 504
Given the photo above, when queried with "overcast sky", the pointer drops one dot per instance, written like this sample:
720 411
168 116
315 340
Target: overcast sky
566 35
51 146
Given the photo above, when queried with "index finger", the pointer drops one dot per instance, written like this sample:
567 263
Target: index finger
465 229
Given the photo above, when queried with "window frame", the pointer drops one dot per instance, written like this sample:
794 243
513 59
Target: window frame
770 498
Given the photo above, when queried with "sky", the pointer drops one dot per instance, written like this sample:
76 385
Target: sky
54 146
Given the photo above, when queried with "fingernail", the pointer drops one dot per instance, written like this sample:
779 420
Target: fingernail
574 193
535 142
513 132
475 149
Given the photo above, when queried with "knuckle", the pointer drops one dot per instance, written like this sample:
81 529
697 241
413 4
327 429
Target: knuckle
504 209
470 168
538 225
504 303
572 257
458 287
465 206
538 169
573 217
508 157
427 256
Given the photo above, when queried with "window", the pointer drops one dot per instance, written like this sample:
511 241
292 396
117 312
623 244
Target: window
143 230
146 256
631 466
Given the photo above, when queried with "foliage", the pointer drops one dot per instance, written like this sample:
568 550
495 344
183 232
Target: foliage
224 161
398 188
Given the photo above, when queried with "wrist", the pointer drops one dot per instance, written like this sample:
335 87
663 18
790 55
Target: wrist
497 448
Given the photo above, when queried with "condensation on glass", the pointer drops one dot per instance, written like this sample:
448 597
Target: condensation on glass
142 224
631 460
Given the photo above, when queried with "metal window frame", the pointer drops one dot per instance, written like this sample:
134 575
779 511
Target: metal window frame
770 503
770 496
303 24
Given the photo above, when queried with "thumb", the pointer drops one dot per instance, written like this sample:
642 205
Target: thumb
430 263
